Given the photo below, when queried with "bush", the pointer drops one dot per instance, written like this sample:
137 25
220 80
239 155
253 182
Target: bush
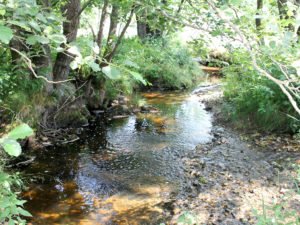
164 63
255 98
11 208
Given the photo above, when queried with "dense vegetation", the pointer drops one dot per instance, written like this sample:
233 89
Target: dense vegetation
61 59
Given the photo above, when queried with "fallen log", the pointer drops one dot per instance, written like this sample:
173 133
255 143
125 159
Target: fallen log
209 69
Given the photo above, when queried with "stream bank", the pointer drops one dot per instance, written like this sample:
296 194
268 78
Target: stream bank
236 173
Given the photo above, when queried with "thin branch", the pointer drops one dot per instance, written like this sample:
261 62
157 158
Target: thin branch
30 66
85 5
92 30
281 84
113 52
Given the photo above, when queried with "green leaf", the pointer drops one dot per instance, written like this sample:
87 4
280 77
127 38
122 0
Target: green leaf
187 218
35 25
20 24
20 132
32 40
111 72
41 18
2 12
94 66
131 64
11 147
74 65
24 212
138 77
58 38
5 213
11 222
6 34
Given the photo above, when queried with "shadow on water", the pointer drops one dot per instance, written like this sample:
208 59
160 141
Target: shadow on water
121 172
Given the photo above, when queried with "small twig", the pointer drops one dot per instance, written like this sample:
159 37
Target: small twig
70 141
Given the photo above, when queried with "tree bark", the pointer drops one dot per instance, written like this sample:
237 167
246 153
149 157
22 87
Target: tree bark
70 27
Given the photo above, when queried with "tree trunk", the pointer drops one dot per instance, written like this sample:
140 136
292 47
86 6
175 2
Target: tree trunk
112 34
70 27
109 56
259 13
101 26
298 29
141 28
144 30
112 46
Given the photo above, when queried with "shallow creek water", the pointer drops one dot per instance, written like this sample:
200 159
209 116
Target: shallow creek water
121 171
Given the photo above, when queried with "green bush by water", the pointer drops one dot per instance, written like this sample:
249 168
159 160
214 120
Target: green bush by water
165 63
254 98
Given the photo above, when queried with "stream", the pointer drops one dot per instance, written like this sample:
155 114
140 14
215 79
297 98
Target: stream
121 171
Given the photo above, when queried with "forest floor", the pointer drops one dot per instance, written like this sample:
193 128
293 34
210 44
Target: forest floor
238 173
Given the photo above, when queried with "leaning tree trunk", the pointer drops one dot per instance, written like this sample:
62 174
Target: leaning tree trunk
70 27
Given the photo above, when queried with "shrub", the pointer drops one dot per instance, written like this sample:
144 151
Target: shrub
11 208
164 63
255 98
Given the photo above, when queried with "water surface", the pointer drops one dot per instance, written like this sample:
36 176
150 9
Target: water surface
121 171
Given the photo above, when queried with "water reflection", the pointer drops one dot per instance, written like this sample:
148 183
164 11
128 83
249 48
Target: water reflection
121 172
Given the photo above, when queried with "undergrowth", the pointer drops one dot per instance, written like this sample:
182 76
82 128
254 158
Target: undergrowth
255 99
165 63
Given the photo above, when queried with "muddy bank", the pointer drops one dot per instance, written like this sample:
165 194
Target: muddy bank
236 173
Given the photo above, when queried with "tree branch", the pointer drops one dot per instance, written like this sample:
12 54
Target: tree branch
281 84
109 57
30 66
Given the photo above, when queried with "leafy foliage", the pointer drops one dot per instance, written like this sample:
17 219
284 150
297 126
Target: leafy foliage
164 63
11 208
256 98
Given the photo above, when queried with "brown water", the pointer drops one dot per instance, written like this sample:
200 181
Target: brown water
120 172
